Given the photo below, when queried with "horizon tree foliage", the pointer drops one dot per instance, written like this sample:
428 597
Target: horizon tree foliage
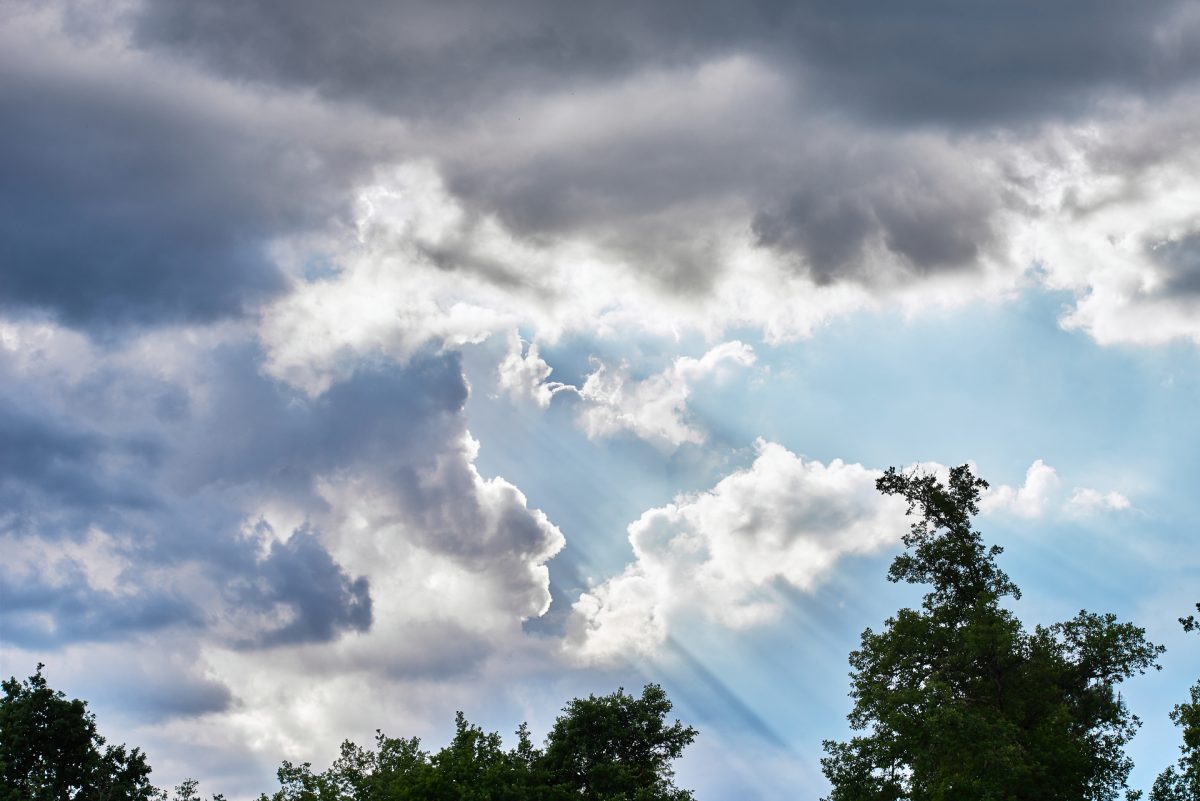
187 790
615 747
956 701
50 750
1184 784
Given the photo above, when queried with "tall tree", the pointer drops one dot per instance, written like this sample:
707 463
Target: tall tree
957 702
617 747
1184 784
50 750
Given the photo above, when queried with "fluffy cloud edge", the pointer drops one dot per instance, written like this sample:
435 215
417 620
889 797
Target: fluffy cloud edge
718 555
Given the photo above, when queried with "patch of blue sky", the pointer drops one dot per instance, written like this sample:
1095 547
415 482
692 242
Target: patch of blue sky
591 489
1000 384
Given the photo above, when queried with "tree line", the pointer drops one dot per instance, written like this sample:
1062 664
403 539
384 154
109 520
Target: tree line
616 746
954 701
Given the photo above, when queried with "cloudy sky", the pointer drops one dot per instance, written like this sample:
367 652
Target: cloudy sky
363 362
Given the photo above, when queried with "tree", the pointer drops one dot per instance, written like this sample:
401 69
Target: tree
957 702
188 790
1184 784
617 747
609 748
50 750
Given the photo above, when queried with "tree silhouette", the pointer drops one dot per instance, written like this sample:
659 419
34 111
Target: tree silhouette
1184 784
50 750
617 747
956 701
614 747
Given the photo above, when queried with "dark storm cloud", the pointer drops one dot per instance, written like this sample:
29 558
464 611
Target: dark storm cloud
930 60
119 206
989 61
297 588
90 472
272 442
277 438
1181 260
395 422
300 575
48 463
158 689
925 215
472 74
50 611
121 202
417 59
244 439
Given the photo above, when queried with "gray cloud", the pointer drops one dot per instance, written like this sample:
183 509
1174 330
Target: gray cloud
48 612
121 202
560 120
990 62
571 120
157 688
50 466
1180 260
419 58
279 440
193 516
920 212
938 59
301 576
238 442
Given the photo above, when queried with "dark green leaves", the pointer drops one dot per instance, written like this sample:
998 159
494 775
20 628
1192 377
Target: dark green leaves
614 747
957 701
617 747
1182 782
50 750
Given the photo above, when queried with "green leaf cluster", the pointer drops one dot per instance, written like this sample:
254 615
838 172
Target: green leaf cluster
1182 782
50 750
956 701
615 747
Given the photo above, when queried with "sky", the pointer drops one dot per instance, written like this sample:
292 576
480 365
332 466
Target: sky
365 362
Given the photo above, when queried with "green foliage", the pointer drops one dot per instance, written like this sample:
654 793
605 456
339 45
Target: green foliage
617 747
956 701
188 790
1184 784
609 748
50 750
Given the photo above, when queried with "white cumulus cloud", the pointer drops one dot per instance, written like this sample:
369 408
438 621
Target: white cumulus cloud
611 400
1041 495
719 552
1087 501
1032 499
654 408
523 373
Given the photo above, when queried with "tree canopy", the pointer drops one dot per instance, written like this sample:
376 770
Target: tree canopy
1183 784
615 747
956 701
50 750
